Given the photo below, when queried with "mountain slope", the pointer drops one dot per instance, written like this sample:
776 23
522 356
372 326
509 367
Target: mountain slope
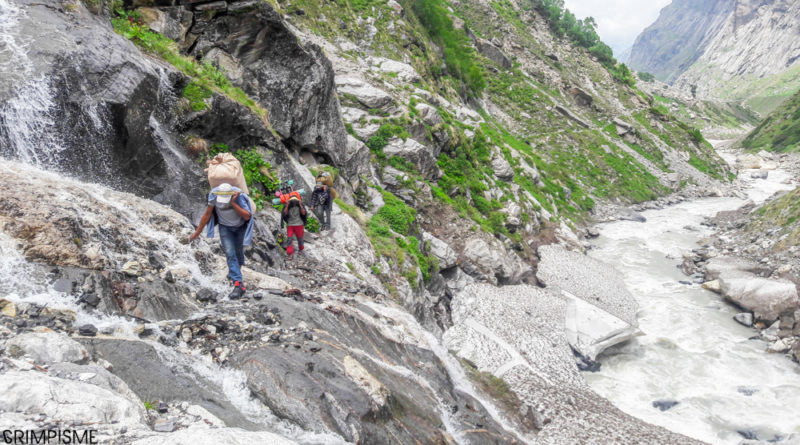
461 137
740 50
679 36
780 131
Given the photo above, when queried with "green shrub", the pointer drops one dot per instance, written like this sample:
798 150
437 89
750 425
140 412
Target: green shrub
622 74
382 136
696 135
312 225
397 214
646 77
197 95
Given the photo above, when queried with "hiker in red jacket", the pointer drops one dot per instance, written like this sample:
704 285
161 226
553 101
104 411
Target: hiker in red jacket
295 216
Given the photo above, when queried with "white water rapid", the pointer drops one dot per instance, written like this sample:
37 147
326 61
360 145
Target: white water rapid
692 351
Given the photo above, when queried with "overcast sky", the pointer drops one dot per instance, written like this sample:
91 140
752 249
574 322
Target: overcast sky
619 22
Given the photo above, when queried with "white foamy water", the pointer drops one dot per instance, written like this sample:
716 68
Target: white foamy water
27 119
692 350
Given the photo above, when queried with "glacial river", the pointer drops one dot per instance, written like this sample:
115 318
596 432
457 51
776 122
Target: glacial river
728 388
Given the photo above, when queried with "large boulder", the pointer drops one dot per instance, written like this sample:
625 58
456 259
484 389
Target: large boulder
739 282
766 298
428 114
402 71
445 254
415 153
490 261
47 348
356 158
364 93
172 22
69 401
749 161
293 80
502 169
493 53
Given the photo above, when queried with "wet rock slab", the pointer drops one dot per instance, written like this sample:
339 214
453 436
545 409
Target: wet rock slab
361 379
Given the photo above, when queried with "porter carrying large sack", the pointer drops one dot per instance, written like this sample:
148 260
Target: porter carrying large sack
225 168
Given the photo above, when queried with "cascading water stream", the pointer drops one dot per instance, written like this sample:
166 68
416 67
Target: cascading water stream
27 125
692 352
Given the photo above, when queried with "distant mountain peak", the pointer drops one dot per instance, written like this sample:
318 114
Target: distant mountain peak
742 50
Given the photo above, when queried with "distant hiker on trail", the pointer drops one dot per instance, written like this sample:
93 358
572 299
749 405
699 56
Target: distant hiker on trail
322 204
229 208
295 216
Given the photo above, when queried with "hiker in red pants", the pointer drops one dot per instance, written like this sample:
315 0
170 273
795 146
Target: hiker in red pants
295 216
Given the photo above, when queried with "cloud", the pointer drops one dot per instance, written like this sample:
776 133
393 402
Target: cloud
619 22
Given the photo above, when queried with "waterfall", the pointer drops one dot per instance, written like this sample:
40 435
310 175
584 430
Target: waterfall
27 125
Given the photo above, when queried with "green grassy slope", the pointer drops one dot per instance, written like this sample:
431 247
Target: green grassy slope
782 214
780 131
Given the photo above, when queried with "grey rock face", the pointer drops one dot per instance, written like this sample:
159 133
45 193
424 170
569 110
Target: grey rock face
294 82
323 387
150 378
678 37
47 347
109 132
126 128
442 251
490 261
493 53
414 152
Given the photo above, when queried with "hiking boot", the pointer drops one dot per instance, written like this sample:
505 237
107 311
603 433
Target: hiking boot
237 292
